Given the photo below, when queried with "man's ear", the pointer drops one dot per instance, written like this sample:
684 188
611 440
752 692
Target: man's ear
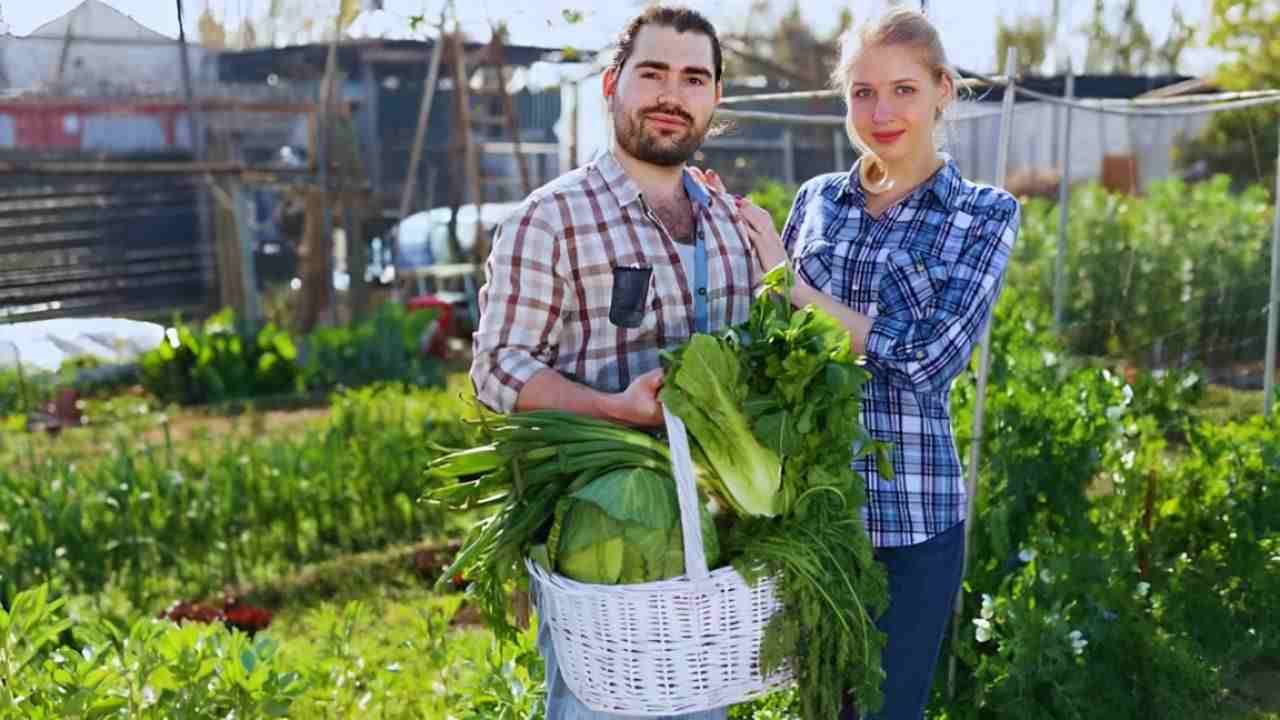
609 82
719 91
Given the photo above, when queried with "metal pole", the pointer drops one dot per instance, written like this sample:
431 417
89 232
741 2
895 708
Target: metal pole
1273 309
984 358
788 157
248 266
1064 197
195 121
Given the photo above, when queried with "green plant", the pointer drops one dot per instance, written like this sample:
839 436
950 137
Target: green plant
389 347
222 360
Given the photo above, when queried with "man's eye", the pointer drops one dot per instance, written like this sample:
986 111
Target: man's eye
697 81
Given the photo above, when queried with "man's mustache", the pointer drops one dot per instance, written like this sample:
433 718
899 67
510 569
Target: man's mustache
668 110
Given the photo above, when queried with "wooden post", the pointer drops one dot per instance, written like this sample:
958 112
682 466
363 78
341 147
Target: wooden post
470 155
420 132
498 60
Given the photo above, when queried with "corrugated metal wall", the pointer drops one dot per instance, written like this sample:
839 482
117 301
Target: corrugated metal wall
107 245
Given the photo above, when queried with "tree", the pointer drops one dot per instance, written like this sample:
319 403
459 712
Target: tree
1242 143
212 32
1030 35
1126 49
1182 35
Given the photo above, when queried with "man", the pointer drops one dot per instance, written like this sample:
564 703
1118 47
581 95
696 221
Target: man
605 266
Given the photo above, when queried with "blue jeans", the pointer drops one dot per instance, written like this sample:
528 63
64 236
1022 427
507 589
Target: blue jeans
562 705
923 582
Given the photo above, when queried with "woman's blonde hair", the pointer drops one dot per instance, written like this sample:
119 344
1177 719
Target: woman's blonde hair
900 26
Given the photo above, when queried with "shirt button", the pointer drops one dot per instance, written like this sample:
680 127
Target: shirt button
919 354
919 267
702 291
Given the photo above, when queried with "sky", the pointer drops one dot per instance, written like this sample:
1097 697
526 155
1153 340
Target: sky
968 26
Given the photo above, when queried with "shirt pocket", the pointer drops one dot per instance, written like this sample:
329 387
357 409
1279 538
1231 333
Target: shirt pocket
911 284
813 258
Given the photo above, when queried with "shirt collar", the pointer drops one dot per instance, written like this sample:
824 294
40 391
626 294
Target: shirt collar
943 184
627 191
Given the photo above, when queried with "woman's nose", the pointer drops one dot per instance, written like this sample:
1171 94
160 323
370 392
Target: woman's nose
882 113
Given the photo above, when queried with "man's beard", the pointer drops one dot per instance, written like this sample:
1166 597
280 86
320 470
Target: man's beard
647 146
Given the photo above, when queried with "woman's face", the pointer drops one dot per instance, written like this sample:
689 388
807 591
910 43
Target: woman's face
894 99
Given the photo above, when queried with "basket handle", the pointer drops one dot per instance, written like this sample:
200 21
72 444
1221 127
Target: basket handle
695 555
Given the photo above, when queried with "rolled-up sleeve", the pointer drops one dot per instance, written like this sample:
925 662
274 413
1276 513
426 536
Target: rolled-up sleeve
520 307
925 354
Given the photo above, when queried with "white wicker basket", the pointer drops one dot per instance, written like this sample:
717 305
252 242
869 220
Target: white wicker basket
683 645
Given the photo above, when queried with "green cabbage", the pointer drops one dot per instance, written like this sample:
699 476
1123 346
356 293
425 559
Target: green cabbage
623 528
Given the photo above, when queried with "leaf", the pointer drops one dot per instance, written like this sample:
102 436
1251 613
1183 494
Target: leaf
635 495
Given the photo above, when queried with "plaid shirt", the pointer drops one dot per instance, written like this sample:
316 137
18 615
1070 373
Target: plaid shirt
546 300
927 272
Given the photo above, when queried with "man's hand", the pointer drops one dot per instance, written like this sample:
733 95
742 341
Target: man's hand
638 405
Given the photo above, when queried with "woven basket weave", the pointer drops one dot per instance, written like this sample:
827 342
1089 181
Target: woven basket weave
683 645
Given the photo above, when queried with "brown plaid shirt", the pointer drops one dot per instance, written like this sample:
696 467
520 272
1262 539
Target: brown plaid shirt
550 277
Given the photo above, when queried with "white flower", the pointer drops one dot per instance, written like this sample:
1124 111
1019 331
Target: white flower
988 607
982 630
1144 587
148 696
1027 555
1078 642
1128 394
1046 576
1115 412
1128 458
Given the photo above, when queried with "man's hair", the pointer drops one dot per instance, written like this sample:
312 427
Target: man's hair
680 19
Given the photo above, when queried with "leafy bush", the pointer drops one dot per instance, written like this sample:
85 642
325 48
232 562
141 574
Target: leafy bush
226 360
222 360
1178 277
388 347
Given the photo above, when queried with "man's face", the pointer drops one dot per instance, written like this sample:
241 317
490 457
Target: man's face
664 95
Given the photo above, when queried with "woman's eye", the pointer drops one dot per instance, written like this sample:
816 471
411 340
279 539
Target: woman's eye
862 93
906 90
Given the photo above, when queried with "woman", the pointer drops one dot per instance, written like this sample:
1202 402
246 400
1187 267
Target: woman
910 257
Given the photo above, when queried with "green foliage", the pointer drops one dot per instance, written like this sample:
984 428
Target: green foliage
389 346
1243 143
1173 278
774 197
342 663
1123 557
226 360
225 509
219 361
150 669
1030 35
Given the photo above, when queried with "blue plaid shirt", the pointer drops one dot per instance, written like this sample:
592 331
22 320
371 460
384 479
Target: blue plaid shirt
927 271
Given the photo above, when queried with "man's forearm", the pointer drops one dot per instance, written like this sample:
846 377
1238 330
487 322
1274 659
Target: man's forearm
549 390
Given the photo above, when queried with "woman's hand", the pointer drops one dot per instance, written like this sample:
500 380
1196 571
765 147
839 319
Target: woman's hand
764 238
710 178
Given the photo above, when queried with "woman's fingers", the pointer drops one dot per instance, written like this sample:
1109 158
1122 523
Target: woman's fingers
708 178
